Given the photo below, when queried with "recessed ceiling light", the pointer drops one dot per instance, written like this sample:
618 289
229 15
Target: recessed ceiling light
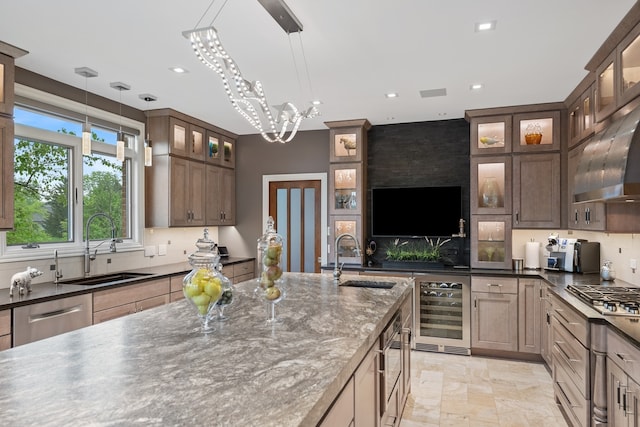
476 86
316 102
485 26
179 70
391 95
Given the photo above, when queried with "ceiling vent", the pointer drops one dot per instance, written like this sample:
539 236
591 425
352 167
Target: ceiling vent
430 93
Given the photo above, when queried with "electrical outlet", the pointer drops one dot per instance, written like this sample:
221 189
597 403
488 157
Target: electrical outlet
149 251
52 267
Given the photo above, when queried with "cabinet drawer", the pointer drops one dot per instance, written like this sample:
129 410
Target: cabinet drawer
176 283
342 411
128 294
152 302
242 268
494 285
175 296
572 356
243 278
624 354
113 312
570 319
5 322
574 404
5 342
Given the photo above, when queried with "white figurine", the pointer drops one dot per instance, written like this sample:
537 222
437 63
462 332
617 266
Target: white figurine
22 280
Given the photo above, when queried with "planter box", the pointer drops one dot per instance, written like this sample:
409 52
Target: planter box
413 265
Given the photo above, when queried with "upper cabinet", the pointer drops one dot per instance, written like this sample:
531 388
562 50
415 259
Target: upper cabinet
581 117
535 132
491 135
192 179
7 75
605 92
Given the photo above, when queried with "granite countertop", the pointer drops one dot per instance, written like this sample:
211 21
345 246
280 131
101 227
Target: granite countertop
154 368
47 291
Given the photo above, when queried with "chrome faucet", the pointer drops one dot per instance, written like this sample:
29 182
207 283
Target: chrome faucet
88 257
58 274
337 269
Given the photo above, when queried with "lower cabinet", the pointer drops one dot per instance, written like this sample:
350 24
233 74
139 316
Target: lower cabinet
117 302
405 379
529 314
546 341
176 287
571 362
623 378
5 329
494 317
239 272
341 413
367 390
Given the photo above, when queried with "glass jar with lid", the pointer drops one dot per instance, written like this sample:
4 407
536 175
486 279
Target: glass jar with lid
204 285
270 289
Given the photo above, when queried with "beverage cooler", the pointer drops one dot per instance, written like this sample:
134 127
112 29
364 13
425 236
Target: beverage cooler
442 313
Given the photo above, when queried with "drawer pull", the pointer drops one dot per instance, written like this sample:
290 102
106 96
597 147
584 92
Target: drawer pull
565 394
564 353
494 284
559 312
625 360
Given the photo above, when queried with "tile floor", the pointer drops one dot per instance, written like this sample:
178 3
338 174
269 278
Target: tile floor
469 391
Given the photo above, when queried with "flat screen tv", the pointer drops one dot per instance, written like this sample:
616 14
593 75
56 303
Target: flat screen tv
416 211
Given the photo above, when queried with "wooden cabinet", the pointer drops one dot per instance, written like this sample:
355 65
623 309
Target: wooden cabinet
6 172
491 241
239 272
491 135
406 336
536 191
367 390
571 362
117 302
5 329
220 196
175 192
494 313
581 116
192 180
491 185
175 287
535 132
348 185
623 378
341 413
529 315
546 342
7 77
590 216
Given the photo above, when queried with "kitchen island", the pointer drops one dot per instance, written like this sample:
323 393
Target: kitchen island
155 368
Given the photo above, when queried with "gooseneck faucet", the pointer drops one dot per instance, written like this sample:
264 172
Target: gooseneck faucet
87 251
337 269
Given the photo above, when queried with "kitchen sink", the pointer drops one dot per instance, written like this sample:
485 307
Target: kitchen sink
368 284
103 279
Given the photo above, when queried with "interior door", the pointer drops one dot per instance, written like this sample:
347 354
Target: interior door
295 208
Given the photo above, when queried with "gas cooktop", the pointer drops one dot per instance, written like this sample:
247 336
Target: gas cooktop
609 300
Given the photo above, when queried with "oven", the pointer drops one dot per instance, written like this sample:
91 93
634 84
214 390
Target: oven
390 364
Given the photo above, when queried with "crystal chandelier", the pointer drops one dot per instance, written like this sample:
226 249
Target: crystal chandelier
246 96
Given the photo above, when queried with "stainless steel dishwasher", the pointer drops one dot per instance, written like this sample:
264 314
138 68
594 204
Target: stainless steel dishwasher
45 319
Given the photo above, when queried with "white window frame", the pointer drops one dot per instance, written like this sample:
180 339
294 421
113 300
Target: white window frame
134 153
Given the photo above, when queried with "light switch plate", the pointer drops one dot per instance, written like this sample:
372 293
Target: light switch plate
162 250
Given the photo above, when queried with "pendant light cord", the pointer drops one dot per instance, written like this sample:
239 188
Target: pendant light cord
207 11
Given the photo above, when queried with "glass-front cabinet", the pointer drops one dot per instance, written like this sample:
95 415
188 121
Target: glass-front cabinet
534 132
491 135
220 150
581 117
228 153
186 139
630 66
491 185
345 184
348 250
606 88
491 241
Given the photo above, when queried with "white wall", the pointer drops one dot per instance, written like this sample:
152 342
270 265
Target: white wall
618 248
180 243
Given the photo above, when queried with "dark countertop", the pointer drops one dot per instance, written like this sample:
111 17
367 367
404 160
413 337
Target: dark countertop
627 327
48 291
153 368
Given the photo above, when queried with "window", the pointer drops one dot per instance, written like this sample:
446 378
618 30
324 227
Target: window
57 189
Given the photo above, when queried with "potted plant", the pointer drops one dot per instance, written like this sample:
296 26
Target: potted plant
424 252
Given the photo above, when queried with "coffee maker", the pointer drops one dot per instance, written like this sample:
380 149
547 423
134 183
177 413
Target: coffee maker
561 254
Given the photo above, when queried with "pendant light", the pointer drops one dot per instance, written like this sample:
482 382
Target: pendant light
148 151
86 72
120 140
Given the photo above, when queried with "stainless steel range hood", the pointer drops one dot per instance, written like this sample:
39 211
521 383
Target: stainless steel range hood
609 167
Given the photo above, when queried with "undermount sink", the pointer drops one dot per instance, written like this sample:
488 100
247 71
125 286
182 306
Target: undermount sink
103 279
368 284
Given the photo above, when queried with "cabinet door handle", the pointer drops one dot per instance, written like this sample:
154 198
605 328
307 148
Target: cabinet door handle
624 359
517 217
576 216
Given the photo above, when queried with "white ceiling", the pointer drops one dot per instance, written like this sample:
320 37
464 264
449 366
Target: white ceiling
355 51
